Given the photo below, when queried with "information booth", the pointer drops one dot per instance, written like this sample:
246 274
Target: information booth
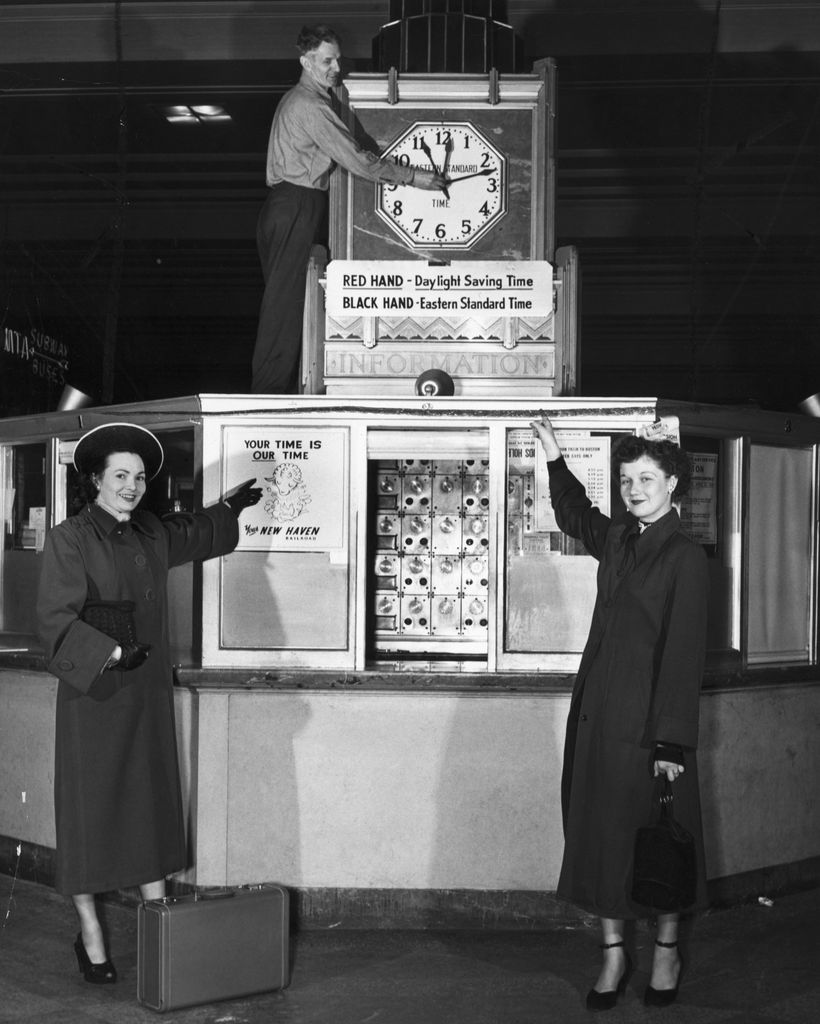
373 686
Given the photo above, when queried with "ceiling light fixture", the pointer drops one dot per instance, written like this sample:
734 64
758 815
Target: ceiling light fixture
202 114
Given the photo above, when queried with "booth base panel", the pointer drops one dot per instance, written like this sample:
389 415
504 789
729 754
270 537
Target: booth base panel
479 909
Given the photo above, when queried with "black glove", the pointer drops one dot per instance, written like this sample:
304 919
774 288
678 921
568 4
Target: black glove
106 685
244 496
133 655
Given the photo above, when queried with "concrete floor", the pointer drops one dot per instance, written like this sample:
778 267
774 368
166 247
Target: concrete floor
751 964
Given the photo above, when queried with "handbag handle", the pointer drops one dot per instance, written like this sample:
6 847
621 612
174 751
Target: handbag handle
667 814
666 801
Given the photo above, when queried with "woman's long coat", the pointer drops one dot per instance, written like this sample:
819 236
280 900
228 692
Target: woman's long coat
638 684
116 785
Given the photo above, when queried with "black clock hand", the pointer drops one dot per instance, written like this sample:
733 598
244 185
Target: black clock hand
448 150
475 174
426 150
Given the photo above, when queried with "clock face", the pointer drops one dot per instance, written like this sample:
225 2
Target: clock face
477 195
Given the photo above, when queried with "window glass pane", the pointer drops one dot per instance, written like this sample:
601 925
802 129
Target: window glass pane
284 600
172 492
428 563
551 580
23 502
780 553
550 585
710 515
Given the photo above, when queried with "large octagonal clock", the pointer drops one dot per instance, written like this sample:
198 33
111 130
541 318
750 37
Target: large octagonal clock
475 200
492 134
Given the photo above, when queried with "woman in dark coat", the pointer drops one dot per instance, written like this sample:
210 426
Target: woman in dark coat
116 785
635 704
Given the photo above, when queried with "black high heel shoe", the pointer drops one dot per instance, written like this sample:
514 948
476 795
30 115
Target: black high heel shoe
607 1000
98 974
663 996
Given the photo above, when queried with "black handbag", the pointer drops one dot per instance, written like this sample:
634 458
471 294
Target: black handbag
114 618
664 874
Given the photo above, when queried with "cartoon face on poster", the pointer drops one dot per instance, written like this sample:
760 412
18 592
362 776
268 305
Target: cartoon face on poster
302 473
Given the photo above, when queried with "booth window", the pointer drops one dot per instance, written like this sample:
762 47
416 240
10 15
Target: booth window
780 555
287 584
710 515
550 581
23 499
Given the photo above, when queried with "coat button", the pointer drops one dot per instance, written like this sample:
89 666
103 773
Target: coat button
140 560
65 665
149 594
584 718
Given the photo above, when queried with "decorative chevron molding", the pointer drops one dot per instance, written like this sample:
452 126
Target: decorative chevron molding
466 329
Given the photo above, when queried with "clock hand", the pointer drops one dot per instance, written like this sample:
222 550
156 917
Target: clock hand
426 150
475 174
448 150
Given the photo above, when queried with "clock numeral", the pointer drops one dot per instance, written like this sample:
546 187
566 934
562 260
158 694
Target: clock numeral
484 210
397 208
403 159
443 137
492 184
390 188
417 222
418 142
441 231
466 227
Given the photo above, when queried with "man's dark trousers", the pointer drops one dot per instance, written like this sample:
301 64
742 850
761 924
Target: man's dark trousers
291 221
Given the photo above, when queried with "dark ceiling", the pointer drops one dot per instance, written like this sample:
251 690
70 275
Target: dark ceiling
688 145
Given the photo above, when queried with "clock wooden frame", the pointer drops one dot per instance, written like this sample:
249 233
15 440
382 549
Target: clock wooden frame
514 112
485 355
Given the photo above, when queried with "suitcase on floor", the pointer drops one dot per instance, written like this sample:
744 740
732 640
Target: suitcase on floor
201 949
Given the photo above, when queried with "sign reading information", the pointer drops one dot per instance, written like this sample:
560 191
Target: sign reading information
412 287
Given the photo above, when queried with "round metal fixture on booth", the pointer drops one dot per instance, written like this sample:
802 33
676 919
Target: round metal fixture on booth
434 382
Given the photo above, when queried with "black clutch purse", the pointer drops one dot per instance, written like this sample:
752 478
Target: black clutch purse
114 618
664 874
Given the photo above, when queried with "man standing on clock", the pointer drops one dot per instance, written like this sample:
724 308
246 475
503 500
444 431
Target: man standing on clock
307 140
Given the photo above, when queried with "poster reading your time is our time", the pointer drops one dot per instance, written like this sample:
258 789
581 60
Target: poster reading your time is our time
302 473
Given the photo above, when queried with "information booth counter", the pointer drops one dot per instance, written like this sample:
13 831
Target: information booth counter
372 689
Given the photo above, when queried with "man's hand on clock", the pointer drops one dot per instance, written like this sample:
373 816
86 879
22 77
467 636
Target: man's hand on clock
430 181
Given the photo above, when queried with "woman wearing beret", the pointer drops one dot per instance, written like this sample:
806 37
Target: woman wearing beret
116 786
634 711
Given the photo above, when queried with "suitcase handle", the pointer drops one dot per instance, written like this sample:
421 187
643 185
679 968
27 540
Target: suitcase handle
220 894
215 894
